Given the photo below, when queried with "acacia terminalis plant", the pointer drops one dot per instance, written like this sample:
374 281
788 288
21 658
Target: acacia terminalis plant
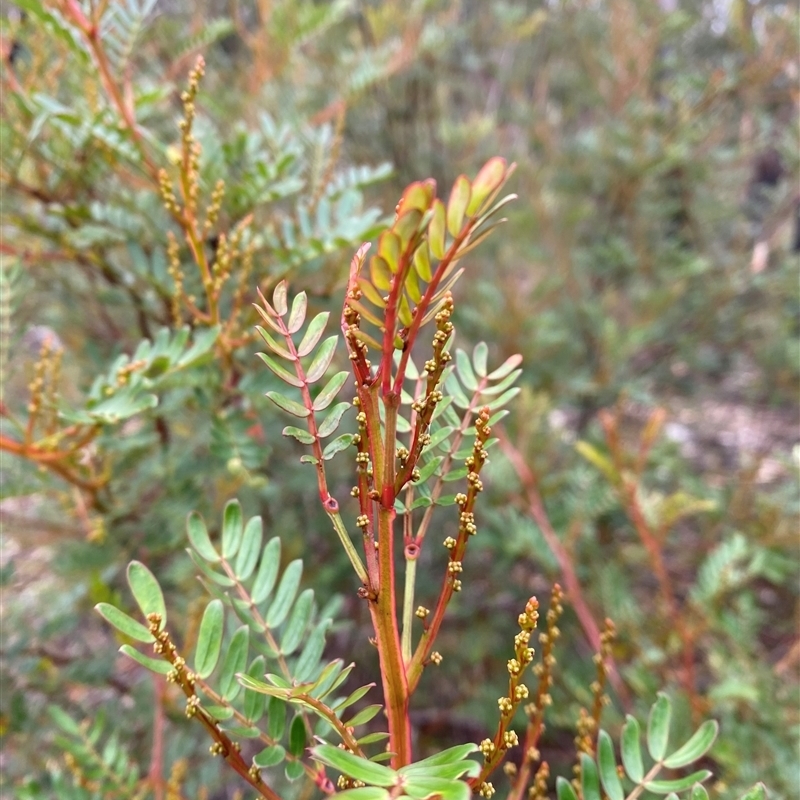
271 698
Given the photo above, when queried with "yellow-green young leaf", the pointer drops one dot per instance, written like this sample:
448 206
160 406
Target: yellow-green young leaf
478 238
451 756
290 406
351 699
364 716
697 746
313 333
330 390
406 226
404 311
298 314
279 371
389 250
371 293
366 312
123 623
232 529
679 505
157 665
235 661
267 571
285 594
632 750
199 538
487 181
209 639
421 788
422 263
322 360
364 793
250 548
457 204
308 661
298 622
412 287
380 273
269 757
255 702
607 765
757 792
658 727
279 298
590 783
564 790
679 785
331 678
353 766
594 456
417 195
437 229
146 591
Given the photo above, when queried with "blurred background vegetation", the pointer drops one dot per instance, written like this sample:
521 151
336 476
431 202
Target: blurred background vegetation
647 275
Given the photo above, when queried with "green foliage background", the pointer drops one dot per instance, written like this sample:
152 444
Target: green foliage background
632 273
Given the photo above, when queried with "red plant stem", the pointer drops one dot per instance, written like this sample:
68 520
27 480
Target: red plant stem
530 484
384 619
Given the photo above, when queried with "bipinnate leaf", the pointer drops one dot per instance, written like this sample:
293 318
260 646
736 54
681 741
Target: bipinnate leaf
698 792
269 757
298 313
590 781
158 665
235 661
332 421
564 790
505 368
480 357
199 538
209 639
607 766
276 717
313 333
304 437
123 623
322 359
487 181
298 622
757 792
632 750
697 746
146 591
658 727
279 371
353 766
285 594
297 736
678 785
267 571
249 549
329 392
337 445
232 529
308 660
289 406
255 702
364 716
457 204
279 298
